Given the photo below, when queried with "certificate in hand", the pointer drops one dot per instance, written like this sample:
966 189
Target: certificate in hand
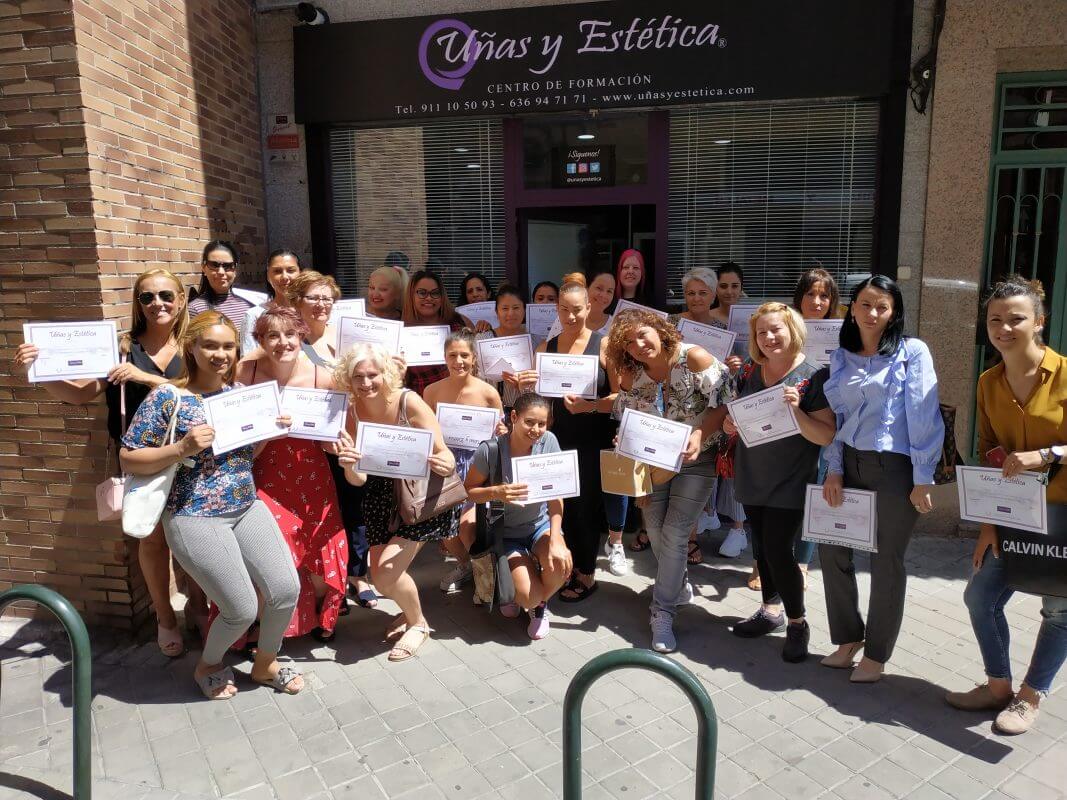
476 312
540 317
72 350
552 476
424 344
466 427
852 524
763 417
738 323
624 305
393 451
372 330
316 413
652 439
356 307
559 375
717 341
1016 502
823 337
244 416
504 354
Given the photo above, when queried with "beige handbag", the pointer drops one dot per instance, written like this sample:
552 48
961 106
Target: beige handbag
624 476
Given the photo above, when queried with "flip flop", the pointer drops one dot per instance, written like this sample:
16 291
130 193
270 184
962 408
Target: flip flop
408 644
170 641
579 591
695 554
214 681
281 680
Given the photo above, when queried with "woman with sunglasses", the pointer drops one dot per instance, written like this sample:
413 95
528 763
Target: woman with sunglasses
282 266
426 304
218 272
150 357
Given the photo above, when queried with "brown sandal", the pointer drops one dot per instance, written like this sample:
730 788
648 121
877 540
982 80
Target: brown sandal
754 582
640 543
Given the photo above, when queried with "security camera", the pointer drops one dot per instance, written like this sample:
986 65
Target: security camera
309 14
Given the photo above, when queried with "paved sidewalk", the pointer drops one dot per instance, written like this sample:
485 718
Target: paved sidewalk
478 713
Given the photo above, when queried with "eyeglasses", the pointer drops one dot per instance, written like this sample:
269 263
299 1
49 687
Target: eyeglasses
225 266
422 294
318 300
146 298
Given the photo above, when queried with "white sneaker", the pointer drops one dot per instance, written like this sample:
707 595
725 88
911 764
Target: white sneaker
663 640
617 563
687 594
454 580
734 544
708 522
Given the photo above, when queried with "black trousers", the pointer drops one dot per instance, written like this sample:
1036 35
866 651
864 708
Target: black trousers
775 533
583 516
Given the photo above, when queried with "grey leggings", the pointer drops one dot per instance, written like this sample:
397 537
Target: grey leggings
226 555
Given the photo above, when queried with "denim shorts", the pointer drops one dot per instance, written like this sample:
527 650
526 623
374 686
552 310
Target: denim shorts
525 545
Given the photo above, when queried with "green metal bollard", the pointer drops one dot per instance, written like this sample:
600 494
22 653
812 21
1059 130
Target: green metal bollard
82 666
707 723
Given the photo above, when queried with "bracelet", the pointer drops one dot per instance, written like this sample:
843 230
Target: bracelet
1046 456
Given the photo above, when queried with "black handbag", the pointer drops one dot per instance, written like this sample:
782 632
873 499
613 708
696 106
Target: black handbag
945 472
488 544
1036 563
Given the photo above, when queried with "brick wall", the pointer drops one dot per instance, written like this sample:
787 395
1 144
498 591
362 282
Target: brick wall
128 137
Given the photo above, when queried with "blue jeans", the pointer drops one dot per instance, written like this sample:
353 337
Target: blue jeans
986 595
672 509
615 508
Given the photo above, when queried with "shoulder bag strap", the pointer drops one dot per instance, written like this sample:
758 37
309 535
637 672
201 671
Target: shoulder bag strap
172 428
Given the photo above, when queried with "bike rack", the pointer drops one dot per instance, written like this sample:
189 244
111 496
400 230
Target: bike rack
82 667
684 679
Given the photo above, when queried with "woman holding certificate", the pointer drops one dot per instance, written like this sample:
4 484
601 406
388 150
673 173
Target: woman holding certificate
883 389
426 304
217 292
221 534
1022 425
771 478
293 478
282 266
385 292
601 290
313 294
531 533
694 387
150 356
373 381
511 312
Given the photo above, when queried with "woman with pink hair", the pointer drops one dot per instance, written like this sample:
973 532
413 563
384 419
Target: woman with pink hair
630 277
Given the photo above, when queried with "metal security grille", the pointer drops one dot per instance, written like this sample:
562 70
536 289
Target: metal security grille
432 195
773 187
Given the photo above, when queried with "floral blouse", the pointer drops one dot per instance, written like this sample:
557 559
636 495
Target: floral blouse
687 395
212 485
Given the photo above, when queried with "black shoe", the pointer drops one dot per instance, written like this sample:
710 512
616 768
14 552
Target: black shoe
759 624
795 649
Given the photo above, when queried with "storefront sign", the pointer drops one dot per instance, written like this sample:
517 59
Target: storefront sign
591 55
583 166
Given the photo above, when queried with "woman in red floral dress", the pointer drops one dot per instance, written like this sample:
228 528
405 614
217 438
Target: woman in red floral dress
293 478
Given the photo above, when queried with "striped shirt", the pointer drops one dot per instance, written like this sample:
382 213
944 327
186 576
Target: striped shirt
232 307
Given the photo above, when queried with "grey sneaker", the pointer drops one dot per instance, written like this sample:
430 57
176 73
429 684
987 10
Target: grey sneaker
454 580
663 640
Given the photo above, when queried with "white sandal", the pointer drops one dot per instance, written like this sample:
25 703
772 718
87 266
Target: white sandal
405 647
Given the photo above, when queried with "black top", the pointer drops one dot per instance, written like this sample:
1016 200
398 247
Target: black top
135 392
582 431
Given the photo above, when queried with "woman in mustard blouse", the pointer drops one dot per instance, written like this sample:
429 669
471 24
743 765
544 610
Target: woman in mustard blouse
1022 425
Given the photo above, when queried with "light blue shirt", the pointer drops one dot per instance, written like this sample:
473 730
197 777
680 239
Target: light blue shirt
887 404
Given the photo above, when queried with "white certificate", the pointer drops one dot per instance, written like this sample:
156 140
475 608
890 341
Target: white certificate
853 524
466 427
987 496
424 344
763 417
393 451
72 350
738 323
540 317
559 375
504 354
823 337
624 305
717 341
244 416
652 439
317 413
476 312
356 307
372 330
552 476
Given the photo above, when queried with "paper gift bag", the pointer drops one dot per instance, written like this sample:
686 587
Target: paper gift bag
622 475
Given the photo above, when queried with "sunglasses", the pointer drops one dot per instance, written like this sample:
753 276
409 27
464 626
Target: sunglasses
226 266
424 293
165 296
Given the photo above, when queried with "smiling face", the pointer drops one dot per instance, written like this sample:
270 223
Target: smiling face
459 359
281 343
316 303
428 298
573 309
601 291
545 294
643 344
381 295
773 337
215 351
1012 324
530 425
729 289
698 297
280 273
475 291
630 274
220 270
159 310
510 311
873 311
815 304
367 380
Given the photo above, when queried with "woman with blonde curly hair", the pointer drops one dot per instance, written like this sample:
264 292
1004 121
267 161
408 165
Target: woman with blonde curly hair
653 359
373 380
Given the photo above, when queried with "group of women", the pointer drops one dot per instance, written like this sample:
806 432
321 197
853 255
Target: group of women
278 535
